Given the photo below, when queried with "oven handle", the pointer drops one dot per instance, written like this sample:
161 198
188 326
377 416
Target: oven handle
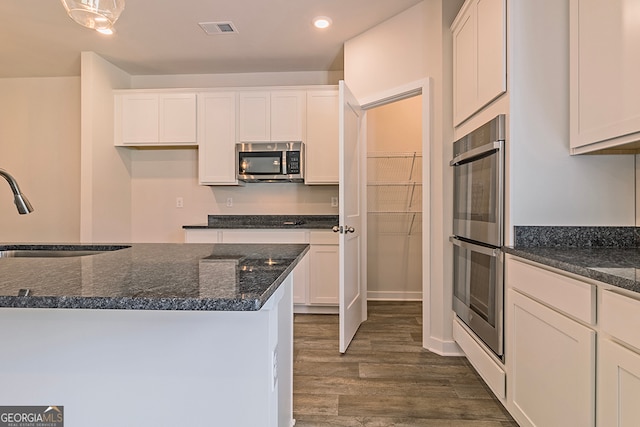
492 252
476 152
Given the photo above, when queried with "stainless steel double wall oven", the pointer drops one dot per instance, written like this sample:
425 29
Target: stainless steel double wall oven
478 228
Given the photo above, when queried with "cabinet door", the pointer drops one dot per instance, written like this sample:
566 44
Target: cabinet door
255 116
479 56
552 359
322 137
464 64
604 64
491 30
288 110
618 385
324 267
216 138
139 118
177 118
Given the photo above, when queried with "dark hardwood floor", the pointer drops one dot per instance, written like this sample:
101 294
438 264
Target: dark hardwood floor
386 378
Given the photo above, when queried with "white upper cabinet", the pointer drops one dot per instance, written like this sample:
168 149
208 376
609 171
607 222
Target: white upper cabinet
148 119
322 137
217 138
479 56
604 84
272 115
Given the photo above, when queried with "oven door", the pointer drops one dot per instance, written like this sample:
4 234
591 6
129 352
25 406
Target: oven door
478 194
478 290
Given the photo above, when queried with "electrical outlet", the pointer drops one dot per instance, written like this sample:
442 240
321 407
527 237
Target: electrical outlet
229 202
179 202
334 202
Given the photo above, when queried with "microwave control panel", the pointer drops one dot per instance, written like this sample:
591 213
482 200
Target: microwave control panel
293 162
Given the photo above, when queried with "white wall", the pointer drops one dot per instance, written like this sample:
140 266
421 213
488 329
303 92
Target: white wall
158 177
40 147
105 170
387 56
549 187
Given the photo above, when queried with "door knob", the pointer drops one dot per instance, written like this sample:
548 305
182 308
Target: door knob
336 229
350 230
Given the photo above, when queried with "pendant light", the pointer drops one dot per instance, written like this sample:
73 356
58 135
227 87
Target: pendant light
99 15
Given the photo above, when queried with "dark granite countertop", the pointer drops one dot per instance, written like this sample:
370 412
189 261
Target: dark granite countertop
268 221
606 254
209 277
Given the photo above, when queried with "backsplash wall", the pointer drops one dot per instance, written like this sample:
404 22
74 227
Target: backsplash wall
159 177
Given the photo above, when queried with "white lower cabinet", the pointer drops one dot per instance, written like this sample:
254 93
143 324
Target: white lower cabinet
552 366
315 278
323 268
619 361
618 385
566 366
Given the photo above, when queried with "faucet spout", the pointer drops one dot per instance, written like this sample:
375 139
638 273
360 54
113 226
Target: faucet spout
23 205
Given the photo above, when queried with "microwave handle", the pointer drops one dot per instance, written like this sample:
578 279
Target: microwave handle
476 152
492 252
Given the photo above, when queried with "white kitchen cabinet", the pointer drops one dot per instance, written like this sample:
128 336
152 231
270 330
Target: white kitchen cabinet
550 347
322 137
479 56
272 115
324 268
619 361
552 378
604 84
150 119
217 138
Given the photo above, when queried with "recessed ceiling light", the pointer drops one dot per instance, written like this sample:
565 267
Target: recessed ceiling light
322 21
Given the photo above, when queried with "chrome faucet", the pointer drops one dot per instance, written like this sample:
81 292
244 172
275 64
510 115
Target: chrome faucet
23 205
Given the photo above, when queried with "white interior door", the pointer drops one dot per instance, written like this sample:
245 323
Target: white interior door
352 296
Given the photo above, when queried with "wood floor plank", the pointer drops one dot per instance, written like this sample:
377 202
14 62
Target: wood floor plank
419 407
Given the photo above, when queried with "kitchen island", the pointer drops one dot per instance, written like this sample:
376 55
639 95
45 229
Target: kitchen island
151 334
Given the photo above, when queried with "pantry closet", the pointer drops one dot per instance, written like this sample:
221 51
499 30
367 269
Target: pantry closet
394 201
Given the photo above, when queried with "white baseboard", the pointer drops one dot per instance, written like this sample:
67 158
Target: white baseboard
315 309
393 296
443 348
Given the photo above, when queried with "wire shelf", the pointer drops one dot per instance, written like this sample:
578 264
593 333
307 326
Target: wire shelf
394 167
394 197
408 224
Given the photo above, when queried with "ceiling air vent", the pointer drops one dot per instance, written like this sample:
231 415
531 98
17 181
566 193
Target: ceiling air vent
223 27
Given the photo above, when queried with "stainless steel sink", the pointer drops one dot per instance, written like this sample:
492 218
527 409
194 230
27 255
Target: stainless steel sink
44 252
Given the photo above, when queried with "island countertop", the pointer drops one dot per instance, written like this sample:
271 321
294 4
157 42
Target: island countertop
151 276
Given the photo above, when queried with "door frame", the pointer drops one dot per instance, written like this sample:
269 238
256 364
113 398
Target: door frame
415 88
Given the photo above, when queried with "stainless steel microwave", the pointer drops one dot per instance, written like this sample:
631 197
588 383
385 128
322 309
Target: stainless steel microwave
270 161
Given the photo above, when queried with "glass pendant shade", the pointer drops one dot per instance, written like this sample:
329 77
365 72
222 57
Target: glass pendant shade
94 14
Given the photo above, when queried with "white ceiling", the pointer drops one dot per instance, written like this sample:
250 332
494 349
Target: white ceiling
38 39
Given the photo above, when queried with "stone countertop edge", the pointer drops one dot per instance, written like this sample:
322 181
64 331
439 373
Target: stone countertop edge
624 278
253 303
607 254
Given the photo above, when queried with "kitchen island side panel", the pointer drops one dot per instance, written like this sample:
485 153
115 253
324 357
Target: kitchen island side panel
152 368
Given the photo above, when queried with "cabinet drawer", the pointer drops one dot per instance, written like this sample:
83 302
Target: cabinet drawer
619 317
323 238
571 296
